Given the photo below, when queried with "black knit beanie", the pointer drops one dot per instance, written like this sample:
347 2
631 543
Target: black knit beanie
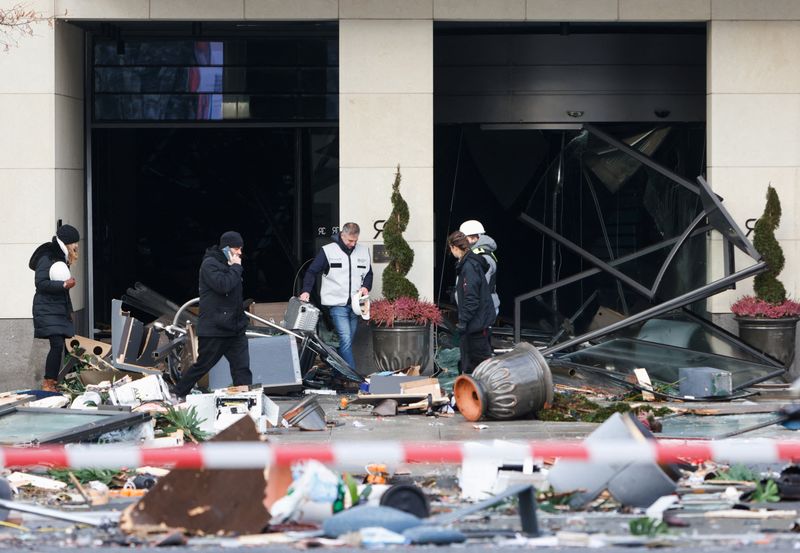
68 234
231 239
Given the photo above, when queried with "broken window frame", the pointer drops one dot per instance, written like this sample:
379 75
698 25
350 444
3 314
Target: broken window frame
716 217
113 420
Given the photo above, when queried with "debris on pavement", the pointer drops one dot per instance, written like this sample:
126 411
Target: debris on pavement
119 392
636 484
307 415
205 502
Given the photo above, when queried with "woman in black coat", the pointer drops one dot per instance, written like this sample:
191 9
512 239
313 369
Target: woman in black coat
476 312
52 307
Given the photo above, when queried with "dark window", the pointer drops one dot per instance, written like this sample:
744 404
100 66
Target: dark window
271 80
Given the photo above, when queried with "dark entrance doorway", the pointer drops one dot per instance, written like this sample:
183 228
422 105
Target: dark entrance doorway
162 196
198 128
510 105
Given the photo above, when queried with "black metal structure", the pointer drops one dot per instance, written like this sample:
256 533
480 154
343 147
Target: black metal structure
619 167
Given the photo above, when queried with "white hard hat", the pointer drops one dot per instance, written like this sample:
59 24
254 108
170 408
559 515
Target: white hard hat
472 227
59 271
360 305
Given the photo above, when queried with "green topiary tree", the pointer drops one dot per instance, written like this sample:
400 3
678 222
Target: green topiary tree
401 256
766 285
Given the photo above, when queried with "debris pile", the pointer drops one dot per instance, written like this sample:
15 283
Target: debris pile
119 393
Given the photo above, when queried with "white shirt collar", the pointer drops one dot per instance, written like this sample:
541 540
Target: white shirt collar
63 247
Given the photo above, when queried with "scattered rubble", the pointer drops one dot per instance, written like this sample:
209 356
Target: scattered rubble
119 393
204 502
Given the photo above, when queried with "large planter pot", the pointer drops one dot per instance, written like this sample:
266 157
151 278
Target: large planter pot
775 337
401 346
508 386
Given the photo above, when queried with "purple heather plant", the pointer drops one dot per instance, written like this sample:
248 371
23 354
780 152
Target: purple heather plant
404 310
750 306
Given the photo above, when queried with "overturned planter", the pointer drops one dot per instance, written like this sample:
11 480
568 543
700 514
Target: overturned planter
508 386
635 484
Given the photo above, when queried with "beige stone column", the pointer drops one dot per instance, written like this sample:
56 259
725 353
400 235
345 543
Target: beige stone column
754 129
386 119
41 174
27 161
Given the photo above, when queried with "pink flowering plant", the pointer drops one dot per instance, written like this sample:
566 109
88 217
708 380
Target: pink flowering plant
750 306
404 311
770 301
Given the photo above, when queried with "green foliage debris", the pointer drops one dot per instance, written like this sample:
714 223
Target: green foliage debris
572 407
738 473
766 492
83 475
646 526
183 419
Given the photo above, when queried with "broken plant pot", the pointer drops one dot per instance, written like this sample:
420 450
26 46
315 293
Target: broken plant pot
508 386
635 484
307 415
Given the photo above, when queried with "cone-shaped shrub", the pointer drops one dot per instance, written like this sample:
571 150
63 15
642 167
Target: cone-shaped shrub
400 254
766 285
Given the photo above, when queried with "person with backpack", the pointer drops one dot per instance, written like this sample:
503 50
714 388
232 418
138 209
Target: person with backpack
484 245
475 309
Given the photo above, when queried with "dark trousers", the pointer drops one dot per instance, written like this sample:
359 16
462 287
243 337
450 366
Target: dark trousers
52 364
211 349
475 348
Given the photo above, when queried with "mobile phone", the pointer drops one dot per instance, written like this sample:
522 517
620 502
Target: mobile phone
227 251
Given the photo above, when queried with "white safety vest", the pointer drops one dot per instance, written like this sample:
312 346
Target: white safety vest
345 273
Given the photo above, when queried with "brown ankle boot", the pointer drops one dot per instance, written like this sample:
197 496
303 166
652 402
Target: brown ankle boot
49 385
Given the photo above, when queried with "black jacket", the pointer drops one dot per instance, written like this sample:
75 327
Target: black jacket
52 307
475 307
221 311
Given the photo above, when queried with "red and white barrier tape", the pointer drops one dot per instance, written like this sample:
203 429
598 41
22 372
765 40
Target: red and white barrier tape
243 455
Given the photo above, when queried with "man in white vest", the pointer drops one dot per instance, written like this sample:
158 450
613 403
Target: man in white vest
346 268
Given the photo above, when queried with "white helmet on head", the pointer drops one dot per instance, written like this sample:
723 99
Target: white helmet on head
472 227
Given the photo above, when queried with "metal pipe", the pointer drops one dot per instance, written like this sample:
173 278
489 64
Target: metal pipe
619 261
254 317
593 259
674 251
273 325
183 308
641 158
52 513
660 309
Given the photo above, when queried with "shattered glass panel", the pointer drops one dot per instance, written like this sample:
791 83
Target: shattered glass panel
622 355
684 329
620 205
20 427
711 427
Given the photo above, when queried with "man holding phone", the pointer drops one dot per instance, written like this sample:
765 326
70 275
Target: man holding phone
221 330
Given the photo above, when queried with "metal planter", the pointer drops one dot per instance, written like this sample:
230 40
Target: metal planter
508 386
401 346
775 337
